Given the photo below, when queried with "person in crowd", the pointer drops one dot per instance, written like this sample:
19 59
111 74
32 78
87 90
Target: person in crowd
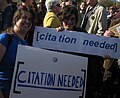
73 3
22 22
26 4
51 19
111 78
62 5
69 18
117 15
82 8
95 18
41 12
30 5
7 11
95 22
34 8
112 13
70 2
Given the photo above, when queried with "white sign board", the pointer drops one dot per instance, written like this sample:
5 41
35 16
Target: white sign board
76 42
46 74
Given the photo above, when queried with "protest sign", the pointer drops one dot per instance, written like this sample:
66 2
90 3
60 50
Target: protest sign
116 29
78 42
41 73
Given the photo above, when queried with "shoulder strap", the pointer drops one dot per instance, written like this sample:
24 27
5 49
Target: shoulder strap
8 44
9 41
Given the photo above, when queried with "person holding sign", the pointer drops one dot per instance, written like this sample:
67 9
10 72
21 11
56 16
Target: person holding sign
22 22
69 18
111 78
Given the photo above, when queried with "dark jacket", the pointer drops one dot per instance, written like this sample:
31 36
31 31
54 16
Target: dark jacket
7 17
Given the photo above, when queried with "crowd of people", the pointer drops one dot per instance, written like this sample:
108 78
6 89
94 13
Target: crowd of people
17 23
